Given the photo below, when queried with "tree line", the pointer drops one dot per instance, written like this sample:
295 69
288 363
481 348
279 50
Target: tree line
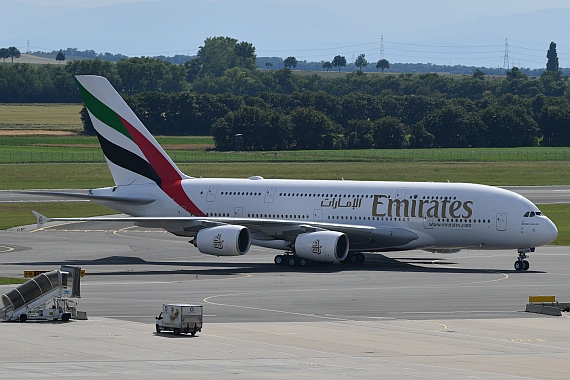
221 92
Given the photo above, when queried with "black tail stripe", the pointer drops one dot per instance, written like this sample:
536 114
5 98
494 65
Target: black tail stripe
128 160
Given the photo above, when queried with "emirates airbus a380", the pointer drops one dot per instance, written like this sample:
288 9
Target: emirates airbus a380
312 221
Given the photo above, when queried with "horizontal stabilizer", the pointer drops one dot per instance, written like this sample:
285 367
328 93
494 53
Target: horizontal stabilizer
41 220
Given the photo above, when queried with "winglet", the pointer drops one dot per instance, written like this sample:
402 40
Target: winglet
40 219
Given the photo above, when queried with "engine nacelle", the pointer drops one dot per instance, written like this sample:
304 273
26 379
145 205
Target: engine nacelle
228 240
324 246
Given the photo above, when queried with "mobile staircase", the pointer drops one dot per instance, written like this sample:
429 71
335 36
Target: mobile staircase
46 296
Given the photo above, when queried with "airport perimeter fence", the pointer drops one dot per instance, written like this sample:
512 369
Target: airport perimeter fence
372 155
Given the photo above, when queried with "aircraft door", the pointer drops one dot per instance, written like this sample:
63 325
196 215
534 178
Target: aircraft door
212 191
270 194
182 211
428 223
501 222
317 215
238 212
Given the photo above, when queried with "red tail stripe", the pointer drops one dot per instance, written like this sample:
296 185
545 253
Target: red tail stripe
171 179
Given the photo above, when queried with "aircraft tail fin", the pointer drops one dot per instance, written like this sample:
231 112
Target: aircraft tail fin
132 153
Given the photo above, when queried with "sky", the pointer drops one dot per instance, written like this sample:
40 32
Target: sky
437 31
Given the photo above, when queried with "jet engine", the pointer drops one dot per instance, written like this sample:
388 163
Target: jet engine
227 240
324 246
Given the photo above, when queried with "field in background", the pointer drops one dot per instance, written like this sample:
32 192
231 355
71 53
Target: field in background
57 176
47 117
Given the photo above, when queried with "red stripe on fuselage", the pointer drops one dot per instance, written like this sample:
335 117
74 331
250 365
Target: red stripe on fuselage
171 179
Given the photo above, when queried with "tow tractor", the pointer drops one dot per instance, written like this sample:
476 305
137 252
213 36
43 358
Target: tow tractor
45 297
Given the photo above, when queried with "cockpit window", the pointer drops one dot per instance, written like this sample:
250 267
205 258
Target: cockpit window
530 214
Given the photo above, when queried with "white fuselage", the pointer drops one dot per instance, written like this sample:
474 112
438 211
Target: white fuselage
442 215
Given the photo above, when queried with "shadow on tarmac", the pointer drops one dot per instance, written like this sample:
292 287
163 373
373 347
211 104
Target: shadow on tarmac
375 262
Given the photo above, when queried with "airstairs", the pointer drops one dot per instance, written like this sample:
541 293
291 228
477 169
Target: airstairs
46 296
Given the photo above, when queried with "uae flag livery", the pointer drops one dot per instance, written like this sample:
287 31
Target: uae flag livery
131 149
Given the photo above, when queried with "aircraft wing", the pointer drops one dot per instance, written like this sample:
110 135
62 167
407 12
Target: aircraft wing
360 237
93 197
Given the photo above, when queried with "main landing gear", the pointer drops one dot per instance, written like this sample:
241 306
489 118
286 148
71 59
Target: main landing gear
293 260
355 258
522 263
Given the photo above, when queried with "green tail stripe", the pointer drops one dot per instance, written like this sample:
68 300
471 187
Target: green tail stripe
102 112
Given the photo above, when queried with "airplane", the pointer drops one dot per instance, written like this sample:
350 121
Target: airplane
310 220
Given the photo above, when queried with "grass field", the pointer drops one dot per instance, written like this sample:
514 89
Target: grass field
57 176
19 214
61 117
12 280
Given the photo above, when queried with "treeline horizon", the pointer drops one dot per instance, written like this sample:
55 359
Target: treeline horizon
222 93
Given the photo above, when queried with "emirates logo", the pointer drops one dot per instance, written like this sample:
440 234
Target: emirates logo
317 247
218 242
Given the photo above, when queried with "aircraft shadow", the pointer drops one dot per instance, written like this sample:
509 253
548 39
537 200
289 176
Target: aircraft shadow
374 263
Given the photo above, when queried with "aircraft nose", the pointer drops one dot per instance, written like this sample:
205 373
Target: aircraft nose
550 231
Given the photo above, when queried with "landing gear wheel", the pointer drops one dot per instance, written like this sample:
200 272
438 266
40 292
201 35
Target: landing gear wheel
353 258
304 262
278 260
526 265
158 329
291 261
522 263
361 258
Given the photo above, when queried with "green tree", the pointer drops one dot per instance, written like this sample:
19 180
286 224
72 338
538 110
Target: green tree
60 56
13 52
478 74
339 61
327 66
361 61
555 124
221 53
360 134
150 74
509 126
262 129
552 55
4 54
383 64
452 127
515 73
290 62
94 67
390 133
268 64
315 130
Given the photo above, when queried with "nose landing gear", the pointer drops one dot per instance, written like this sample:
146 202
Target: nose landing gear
522 263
